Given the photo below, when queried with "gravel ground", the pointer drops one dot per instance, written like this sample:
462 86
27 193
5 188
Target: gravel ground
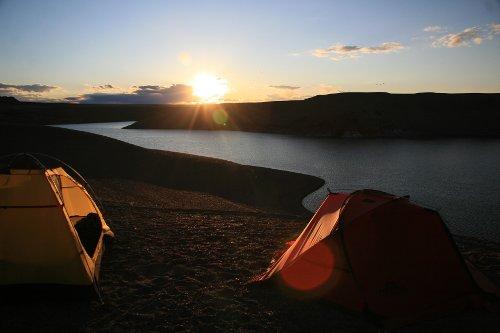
181 261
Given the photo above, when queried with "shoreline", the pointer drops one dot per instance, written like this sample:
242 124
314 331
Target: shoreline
290 135
264 188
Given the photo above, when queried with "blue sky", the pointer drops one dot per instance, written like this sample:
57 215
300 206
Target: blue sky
261 49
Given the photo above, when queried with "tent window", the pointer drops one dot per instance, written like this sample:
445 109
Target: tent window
89 231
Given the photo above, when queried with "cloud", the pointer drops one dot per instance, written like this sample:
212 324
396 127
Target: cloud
339 51
324 89
285 87
74 99
103 87
27 92
495 29
469 36
25 88
146 94
465 38
302 92
433 28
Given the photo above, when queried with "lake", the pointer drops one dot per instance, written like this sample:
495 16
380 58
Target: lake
458 177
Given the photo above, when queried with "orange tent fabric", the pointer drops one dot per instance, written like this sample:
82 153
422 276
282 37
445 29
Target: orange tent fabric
380 254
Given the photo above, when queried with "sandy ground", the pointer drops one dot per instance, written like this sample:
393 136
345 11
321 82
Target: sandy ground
175 267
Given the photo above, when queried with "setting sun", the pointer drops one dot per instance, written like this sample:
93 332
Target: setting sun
209 88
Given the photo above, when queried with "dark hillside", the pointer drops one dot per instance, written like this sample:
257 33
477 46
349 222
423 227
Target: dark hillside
8 100
66 113
350 115
337 115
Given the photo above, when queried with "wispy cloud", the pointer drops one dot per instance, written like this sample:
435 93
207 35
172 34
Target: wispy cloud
433 28
495 29
285 87
324 89
25 88
464 38
28 92
339 51
103 87
469 36
302 92
146 94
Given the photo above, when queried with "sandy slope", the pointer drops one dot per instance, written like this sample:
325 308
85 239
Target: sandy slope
101 157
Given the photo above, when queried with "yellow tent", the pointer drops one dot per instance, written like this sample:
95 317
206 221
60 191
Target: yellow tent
51 230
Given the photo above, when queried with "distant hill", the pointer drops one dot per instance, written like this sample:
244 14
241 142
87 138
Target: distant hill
347 115
336 115
68 113
8 100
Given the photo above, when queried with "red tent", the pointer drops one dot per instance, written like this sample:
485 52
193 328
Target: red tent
380 254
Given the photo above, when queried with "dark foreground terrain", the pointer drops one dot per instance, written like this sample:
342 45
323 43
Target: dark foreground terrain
366 115
190 232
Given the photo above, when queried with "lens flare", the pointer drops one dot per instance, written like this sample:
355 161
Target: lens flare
184 58
311 271
220 116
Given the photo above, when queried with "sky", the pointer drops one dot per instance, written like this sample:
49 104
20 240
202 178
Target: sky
235 51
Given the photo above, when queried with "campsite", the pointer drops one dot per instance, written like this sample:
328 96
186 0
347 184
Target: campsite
184 251
249 166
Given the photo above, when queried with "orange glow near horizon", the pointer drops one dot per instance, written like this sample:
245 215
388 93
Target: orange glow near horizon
209 88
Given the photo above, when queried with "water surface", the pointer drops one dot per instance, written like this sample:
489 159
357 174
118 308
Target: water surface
458 177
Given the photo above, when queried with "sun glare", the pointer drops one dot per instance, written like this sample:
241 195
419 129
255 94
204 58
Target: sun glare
209 88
